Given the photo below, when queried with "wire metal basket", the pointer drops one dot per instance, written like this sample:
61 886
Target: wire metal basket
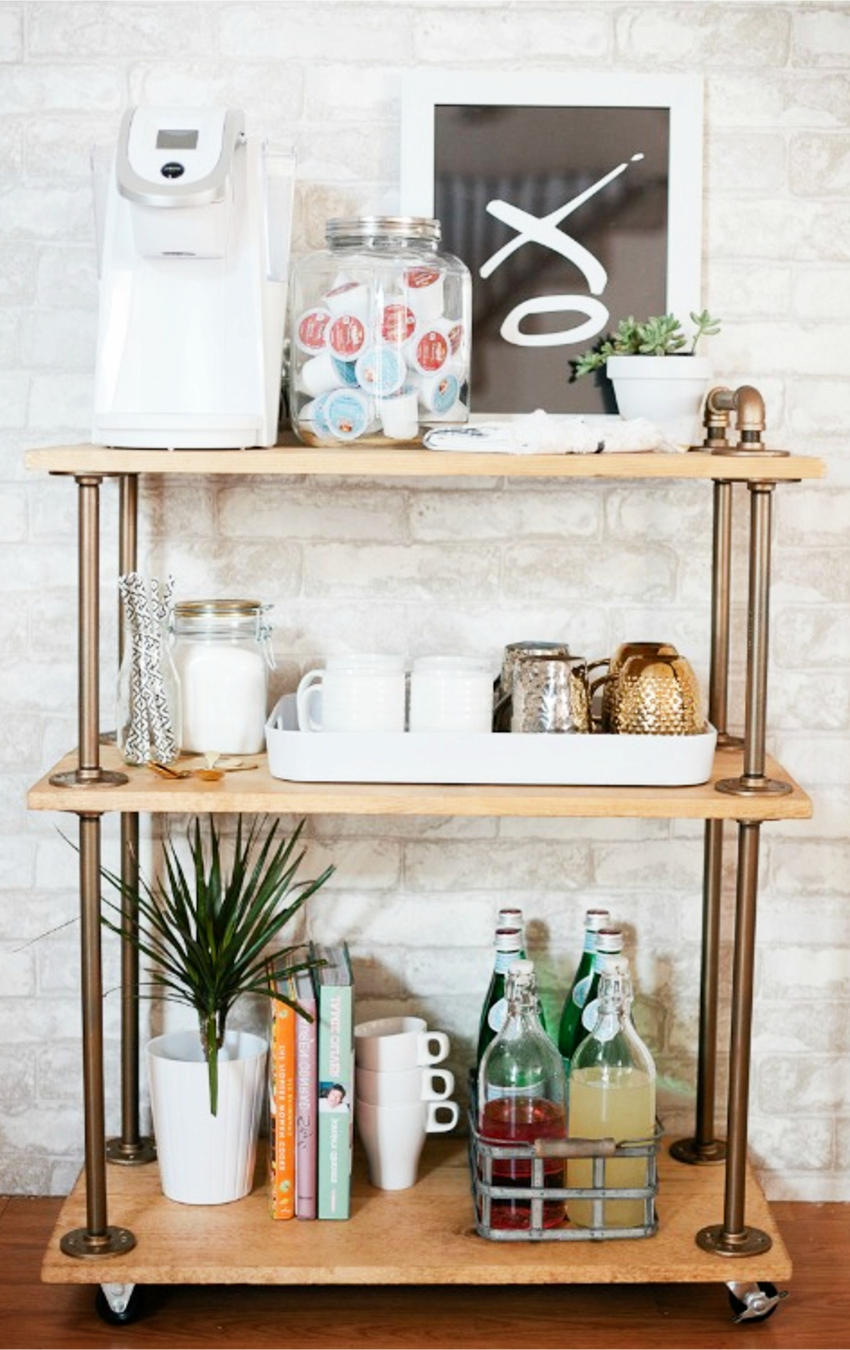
515 1199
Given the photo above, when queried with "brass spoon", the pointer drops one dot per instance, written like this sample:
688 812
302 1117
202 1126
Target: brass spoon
166 771
210 774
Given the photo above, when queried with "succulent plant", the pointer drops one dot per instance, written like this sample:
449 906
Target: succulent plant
660 335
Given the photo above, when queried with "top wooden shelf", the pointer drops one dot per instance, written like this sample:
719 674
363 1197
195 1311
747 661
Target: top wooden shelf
291 457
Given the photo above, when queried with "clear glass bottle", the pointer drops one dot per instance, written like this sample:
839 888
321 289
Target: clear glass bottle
222 655
570 1029
494 1010
521 1097
380 325
612 1094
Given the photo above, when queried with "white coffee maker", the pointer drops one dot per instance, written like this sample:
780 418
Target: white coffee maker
193 245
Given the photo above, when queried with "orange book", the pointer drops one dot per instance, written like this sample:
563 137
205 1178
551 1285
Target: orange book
282 1105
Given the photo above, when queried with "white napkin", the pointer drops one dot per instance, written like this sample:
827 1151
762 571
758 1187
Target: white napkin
539 433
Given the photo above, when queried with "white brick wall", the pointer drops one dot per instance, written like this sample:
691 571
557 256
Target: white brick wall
467 566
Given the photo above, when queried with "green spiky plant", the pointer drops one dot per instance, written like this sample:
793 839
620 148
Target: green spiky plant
661 335
207 929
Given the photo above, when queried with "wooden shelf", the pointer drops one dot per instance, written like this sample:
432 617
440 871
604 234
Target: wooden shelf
256 791
421 1236
290 457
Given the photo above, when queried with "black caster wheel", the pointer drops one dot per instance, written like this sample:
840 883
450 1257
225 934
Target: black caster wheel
754 1302
119 1304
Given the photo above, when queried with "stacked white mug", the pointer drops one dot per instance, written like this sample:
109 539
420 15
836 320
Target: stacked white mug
400 1096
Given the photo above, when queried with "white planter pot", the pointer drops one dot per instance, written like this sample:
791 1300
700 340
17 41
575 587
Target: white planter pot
667 390
206 1159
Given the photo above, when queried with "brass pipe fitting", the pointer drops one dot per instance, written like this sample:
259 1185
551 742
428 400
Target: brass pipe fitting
716 419
747 405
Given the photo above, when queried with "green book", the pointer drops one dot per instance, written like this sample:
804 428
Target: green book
335 999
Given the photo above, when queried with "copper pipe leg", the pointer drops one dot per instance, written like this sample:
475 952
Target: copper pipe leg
129 1149
753 781
97 1238
704 1148
89 772
721 590
732 1237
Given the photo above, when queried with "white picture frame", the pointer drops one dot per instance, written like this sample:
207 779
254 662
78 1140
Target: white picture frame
610 146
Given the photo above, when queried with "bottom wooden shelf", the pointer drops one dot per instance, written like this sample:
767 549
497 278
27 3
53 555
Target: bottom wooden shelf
421 1236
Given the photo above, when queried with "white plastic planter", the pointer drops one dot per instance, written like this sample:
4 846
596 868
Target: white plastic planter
206 1159
667 390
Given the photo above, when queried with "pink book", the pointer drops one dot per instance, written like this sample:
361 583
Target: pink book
306 1099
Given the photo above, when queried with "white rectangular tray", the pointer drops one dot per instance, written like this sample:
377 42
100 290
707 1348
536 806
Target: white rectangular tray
449 757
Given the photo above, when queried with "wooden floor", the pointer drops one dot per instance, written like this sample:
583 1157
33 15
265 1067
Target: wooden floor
816 1315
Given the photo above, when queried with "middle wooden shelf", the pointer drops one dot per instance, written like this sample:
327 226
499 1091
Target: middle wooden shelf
257 791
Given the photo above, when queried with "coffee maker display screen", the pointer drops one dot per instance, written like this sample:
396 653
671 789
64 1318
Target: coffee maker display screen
177 140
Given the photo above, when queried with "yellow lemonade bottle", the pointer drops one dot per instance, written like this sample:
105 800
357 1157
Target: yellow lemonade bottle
612 1095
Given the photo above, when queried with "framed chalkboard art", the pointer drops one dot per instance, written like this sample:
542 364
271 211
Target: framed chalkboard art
574 200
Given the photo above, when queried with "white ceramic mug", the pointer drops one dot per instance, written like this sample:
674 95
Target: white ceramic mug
404 1086
393 1137
450 693
356 693
398 1043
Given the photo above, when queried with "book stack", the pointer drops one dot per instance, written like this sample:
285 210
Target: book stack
311 1090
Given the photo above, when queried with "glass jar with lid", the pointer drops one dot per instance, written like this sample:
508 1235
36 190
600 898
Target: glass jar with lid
379 333
222 655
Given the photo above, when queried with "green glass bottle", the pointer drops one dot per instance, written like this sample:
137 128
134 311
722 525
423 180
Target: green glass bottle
570 1031
510 917
508 949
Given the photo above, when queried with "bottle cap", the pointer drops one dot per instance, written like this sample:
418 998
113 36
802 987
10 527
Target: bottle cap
508 940
510 918
523 968
609 940
614 965
594 919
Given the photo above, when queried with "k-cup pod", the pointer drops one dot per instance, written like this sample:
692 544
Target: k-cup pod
311 329
347 336
396 322
381 371
318 375
313 415
348 413
348 297
428 350
424 287
400 416
456 334
347 372
438 393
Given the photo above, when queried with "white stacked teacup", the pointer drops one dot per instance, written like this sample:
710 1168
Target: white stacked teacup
400 1095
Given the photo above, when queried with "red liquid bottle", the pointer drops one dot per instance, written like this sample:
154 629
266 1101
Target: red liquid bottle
521 1098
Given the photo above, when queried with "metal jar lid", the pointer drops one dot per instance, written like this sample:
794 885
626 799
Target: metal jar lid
218 609
338 231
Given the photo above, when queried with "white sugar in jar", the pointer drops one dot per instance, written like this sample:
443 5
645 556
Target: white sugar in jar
222 655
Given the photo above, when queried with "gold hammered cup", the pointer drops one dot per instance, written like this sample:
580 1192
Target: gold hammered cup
610 683
659 695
